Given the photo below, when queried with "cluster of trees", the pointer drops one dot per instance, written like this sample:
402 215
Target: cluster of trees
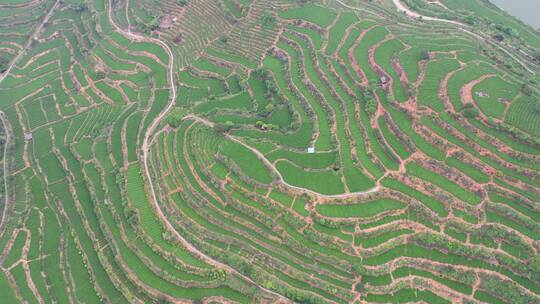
371 106
370 102
535 263
514 215
422 6
261 73
131 214
222 128
479 253
526 89
424 54
271 87
3 64
174 118
272 91
470 19
268 109
162 300
505 289
515 132
506 30
81 7
268 20
265 126
153 25
470 111
416 4
219 274
536 56
360 269
498 234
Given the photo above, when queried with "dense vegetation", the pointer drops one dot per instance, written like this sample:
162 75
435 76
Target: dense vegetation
265 151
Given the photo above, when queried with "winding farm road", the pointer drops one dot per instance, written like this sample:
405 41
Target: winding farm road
269 164
5 124
410 13
29 42
145 148
462 26
354 8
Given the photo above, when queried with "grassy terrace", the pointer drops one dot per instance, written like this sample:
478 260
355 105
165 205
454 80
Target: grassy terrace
313 153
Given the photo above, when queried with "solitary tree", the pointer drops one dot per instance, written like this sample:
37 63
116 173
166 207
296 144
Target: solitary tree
424 55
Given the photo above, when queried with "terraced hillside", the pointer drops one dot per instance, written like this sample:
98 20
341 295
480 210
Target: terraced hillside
257 151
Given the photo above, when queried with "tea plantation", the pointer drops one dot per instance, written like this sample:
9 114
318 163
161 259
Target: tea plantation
268 151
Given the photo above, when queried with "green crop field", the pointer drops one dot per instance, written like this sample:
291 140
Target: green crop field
268 151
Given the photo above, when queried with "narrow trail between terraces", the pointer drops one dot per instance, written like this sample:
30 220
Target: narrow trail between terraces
5 122
145 148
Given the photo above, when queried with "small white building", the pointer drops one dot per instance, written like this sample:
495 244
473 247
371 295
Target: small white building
311 150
